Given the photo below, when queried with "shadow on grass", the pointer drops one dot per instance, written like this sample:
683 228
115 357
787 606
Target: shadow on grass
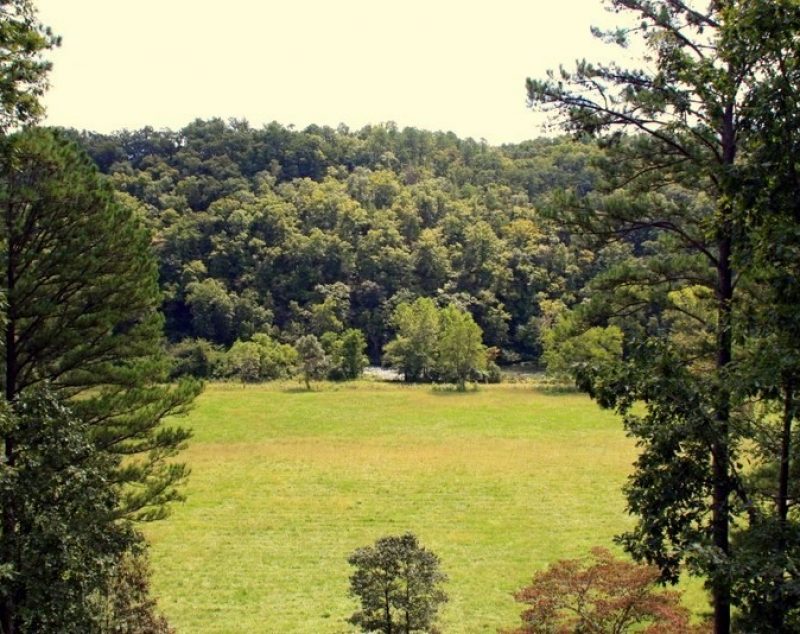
452 390
301 389
557 388
317 387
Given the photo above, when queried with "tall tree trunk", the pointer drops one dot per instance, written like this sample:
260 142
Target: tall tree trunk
720 450
388 612
776 616
8 512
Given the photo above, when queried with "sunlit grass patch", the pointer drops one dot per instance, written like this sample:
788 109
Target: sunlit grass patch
286 483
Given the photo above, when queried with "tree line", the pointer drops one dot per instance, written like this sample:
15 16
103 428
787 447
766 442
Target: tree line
283 232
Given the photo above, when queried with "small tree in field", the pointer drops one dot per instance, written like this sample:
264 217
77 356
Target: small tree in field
312 360
399 585
461 350
601 595
413 351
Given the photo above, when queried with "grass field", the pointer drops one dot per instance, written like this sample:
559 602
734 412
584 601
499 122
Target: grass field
285 484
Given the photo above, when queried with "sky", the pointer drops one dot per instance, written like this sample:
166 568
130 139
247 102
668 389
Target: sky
451 65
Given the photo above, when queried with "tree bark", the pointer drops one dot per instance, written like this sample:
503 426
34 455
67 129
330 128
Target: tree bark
782 502
720 450
8 513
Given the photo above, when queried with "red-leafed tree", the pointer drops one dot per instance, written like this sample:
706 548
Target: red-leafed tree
601 595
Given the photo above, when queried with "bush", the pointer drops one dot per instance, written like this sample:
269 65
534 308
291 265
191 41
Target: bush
243 361
260 359
195 357
129 607
399 585
59 559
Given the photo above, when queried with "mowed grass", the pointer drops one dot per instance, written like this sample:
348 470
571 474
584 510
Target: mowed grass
286 483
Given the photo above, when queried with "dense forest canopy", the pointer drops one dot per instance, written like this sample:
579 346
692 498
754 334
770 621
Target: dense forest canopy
305 231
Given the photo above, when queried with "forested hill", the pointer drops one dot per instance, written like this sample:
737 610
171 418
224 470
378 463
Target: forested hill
289 232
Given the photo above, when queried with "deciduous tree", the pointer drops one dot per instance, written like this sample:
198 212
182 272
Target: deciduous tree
58 561
398 582
601 595
311 359
460 350
413 351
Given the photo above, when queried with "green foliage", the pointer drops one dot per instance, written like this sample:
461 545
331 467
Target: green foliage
24 78
435 343
260 359
413 351
460 350
399 585
65 544
195 357
212 310
568 346
321 230
312 360
82 312
689 191
243 361
80 327
347 359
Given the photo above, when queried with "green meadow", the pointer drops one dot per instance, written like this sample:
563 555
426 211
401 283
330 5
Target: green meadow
286 483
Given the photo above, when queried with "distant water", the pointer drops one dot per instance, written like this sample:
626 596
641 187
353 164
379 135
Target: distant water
382 374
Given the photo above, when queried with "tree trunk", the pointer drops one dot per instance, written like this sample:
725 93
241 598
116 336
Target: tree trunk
782 501
776 617
8 512
720 449
388 612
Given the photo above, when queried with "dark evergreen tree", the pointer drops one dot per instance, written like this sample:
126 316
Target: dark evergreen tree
81 312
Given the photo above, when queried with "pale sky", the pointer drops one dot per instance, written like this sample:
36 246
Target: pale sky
455 65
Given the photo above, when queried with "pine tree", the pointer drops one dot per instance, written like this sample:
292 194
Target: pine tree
81 313
681 134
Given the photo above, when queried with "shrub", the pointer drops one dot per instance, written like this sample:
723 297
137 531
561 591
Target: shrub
260 359
195 357
276 360
129 608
